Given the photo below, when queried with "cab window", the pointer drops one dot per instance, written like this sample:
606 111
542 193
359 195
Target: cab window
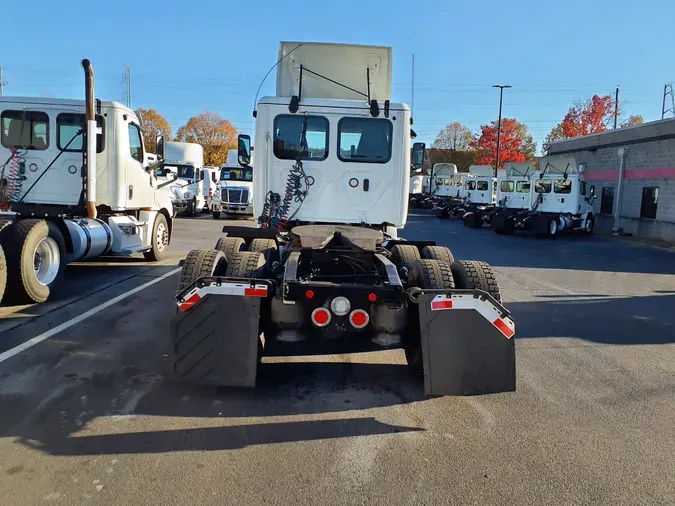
482 185
562 186
135 142
582 188
300 137
523 186
24 129
506 186
542 186
470 185
364 140
67 127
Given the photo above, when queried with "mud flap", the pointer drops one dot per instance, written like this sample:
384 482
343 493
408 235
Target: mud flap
215 336
467 343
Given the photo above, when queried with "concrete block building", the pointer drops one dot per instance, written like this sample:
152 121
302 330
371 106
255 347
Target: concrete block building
633 172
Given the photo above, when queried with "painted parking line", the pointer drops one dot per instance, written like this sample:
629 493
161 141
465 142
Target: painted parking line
74 321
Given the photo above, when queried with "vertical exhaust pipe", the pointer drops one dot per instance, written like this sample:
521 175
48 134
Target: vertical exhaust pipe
90 146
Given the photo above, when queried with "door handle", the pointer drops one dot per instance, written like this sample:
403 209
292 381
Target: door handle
366 185
131 191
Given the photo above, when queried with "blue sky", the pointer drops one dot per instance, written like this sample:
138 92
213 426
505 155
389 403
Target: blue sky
188 57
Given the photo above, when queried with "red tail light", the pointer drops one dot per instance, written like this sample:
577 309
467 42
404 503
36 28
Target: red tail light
210 192
321 317
359 318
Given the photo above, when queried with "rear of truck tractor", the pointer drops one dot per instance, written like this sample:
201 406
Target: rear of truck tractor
349 289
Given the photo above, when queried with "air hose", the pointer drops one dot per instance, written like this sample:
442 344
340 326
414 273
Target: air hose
12 177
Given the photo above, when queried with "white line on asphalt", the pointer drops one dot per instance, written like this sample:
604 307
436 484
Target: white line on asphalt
51 332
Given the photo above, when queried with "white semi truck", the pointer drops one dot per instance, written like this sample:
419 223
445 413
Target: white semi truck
326 270
73 178
234 192
184 162
558 199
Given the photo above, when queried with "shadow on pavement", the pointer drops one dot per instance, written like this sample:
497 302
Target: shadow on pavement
624 320
216 438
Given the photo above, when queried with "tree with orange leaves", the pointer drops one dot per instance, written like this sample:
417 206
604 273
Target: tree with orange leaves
216 135
153 124
516 145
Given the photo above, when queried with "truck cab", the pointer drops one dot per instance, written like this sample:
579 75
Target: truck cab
184 163
514 185
233 194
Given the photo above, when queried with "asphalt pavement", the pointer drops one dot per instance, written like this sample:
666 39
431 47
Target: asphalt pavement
89 417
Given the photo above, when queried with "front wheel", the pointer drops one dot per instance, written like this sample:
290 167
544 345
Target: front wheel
216 215
589 225
35 251
159 239
192 208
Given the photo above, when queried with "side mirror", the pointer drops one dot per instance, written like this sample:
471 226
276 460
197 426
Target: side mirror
418 155
592 190
214 177
244 149
160 148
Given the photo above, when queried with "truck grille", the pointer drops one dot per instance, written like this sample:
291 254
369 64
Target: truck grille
235 195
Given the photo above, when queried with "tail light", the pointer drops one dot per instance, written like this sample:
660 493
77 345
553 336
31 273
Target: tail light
359 318
321 317
210 192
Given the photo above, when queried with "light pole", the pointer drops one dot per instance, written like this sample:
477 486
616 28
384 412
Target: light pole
499 122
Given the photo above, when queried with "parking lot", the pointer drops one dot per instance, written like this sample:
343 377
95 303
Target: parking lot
89 416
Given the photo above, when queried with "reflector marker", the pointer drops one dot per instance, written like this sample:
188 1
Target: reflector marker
483 306
240 289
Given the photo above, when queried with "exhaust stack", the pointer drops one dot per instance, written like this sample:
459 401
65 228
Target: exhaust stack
90 147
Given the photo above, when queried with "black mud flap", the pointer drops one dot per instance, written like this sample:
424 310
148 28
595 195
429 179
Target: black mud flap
215 337
467 343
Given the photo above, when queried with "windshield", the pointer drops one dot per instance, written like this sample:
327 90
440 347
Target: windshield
182 171
236 174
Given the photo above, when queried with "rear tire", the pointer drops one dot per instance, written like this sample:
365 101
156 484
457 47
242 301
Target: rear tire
438 253
35 251
160 239
432 275
470 275
246 264
201 263
269 249
216 215
473 221
403 255
230 246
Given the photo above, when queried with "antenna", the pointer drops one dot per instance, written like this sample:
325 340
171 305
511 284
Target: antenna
255 102
2 83
126 80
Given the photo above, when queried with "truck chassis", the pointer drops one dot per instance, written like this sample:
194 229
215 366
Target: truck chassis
325 286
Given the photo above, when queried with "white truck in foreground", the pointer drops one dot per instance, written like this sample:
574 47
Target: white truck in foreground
72 174
559 199
326 269
184 163
233 194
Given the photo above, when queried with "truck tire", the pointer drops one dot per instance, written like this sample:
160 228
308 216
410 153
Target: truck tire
268 247
200 263
246 264
589 225
35 251
3 273
192 208
403 255
438 253
472 221
216 215
230 246
432 275
442 213
470 275
160 239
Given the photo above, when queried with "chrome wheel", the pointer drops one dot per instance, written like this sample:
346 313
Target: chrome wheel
553 227
46 261
588 226
162 237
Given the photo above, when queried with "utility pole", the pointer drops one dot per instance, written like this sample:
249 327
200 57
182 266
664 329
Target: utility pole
616 107
2 83
499 122
667 90
126 80
412 102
